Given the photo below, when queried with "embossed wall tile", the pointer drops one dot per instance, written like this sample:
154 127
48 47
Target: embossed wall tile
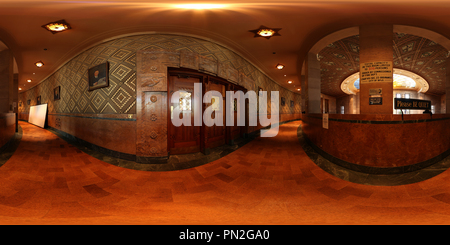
222 69
189 60
233 75
208 65
152 82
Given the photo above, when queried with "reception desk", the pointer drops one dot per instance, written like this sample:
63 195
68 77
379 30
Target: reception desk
380 143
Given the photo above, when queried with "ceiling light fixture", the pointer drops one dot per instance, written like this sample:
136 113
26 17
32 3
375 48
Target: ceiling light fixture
20 88
280 66
290 81
266 32
29 80
200 6
57 26
39 64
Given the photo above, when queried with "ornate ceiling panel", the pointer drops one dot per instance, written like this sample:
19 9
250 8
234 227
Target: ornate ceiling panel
416 54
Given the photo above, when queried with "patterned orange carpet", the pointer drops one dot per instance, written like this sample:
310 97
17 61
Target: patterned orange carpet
267 181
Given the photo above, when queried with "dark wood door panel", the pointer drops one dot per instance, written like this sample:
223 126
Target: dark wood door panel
183 139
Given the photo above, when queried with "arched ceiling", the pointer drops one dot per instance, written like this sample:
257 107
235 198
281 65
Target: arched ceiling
422 56
302 23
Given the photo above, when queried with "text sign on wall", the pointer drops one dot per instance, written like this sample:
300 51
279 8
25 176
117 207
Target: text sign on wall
375 72
412 104
375 101
375 91
325 120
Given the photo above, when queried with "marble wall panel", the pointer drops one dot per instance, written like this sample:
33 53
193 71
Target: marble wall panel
366 141
111 132
151 126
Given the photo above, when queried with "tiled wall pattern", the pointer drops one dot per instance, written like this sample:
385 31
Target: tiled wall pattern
120 96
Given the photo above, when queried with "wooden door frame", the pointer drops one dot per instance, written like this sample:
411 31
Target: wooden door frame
204 79
151 76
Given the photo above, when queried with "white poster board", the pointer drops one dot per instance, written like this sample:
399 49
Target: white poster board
38 114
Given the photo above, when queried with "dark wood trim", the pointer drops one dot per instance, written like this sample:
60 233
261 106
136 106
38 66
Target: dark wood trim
205 79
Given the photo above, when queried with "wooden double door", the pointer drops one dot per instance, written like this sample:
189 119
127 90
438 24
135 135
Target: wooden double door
190 139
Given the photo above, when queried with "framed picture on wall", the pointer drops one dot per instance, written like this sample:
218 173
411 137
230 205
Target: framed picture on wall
28 102
98 76
57 93
283 101
292 103
38 100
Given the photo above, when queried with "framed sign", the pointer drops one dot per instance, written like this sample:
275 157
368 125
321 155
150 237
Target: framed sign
98 76
375 101
375 91
412 104
376 72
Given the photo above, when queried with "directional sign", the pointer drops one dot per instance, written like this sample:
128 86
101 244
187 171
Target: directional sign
375 91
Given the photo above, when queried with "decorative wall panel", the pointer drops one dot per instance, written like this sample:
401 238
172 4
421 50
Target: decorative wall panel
120 96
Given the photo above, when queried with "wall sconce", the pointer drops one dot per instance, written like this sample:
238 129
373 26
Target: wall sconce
39 64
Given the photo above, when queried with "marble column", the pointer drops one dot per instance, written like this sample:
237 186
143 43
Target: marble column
311 85
376 55
7 82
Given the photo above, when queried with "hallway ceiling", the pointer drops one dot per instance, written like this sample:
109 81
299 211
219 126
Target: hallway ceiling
422 56
302 24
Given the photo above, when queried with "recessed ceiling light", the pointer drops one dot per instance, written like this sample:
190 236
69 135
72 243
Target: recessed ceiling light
266 32
280 66
39 64
57 26
29 80
289 81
